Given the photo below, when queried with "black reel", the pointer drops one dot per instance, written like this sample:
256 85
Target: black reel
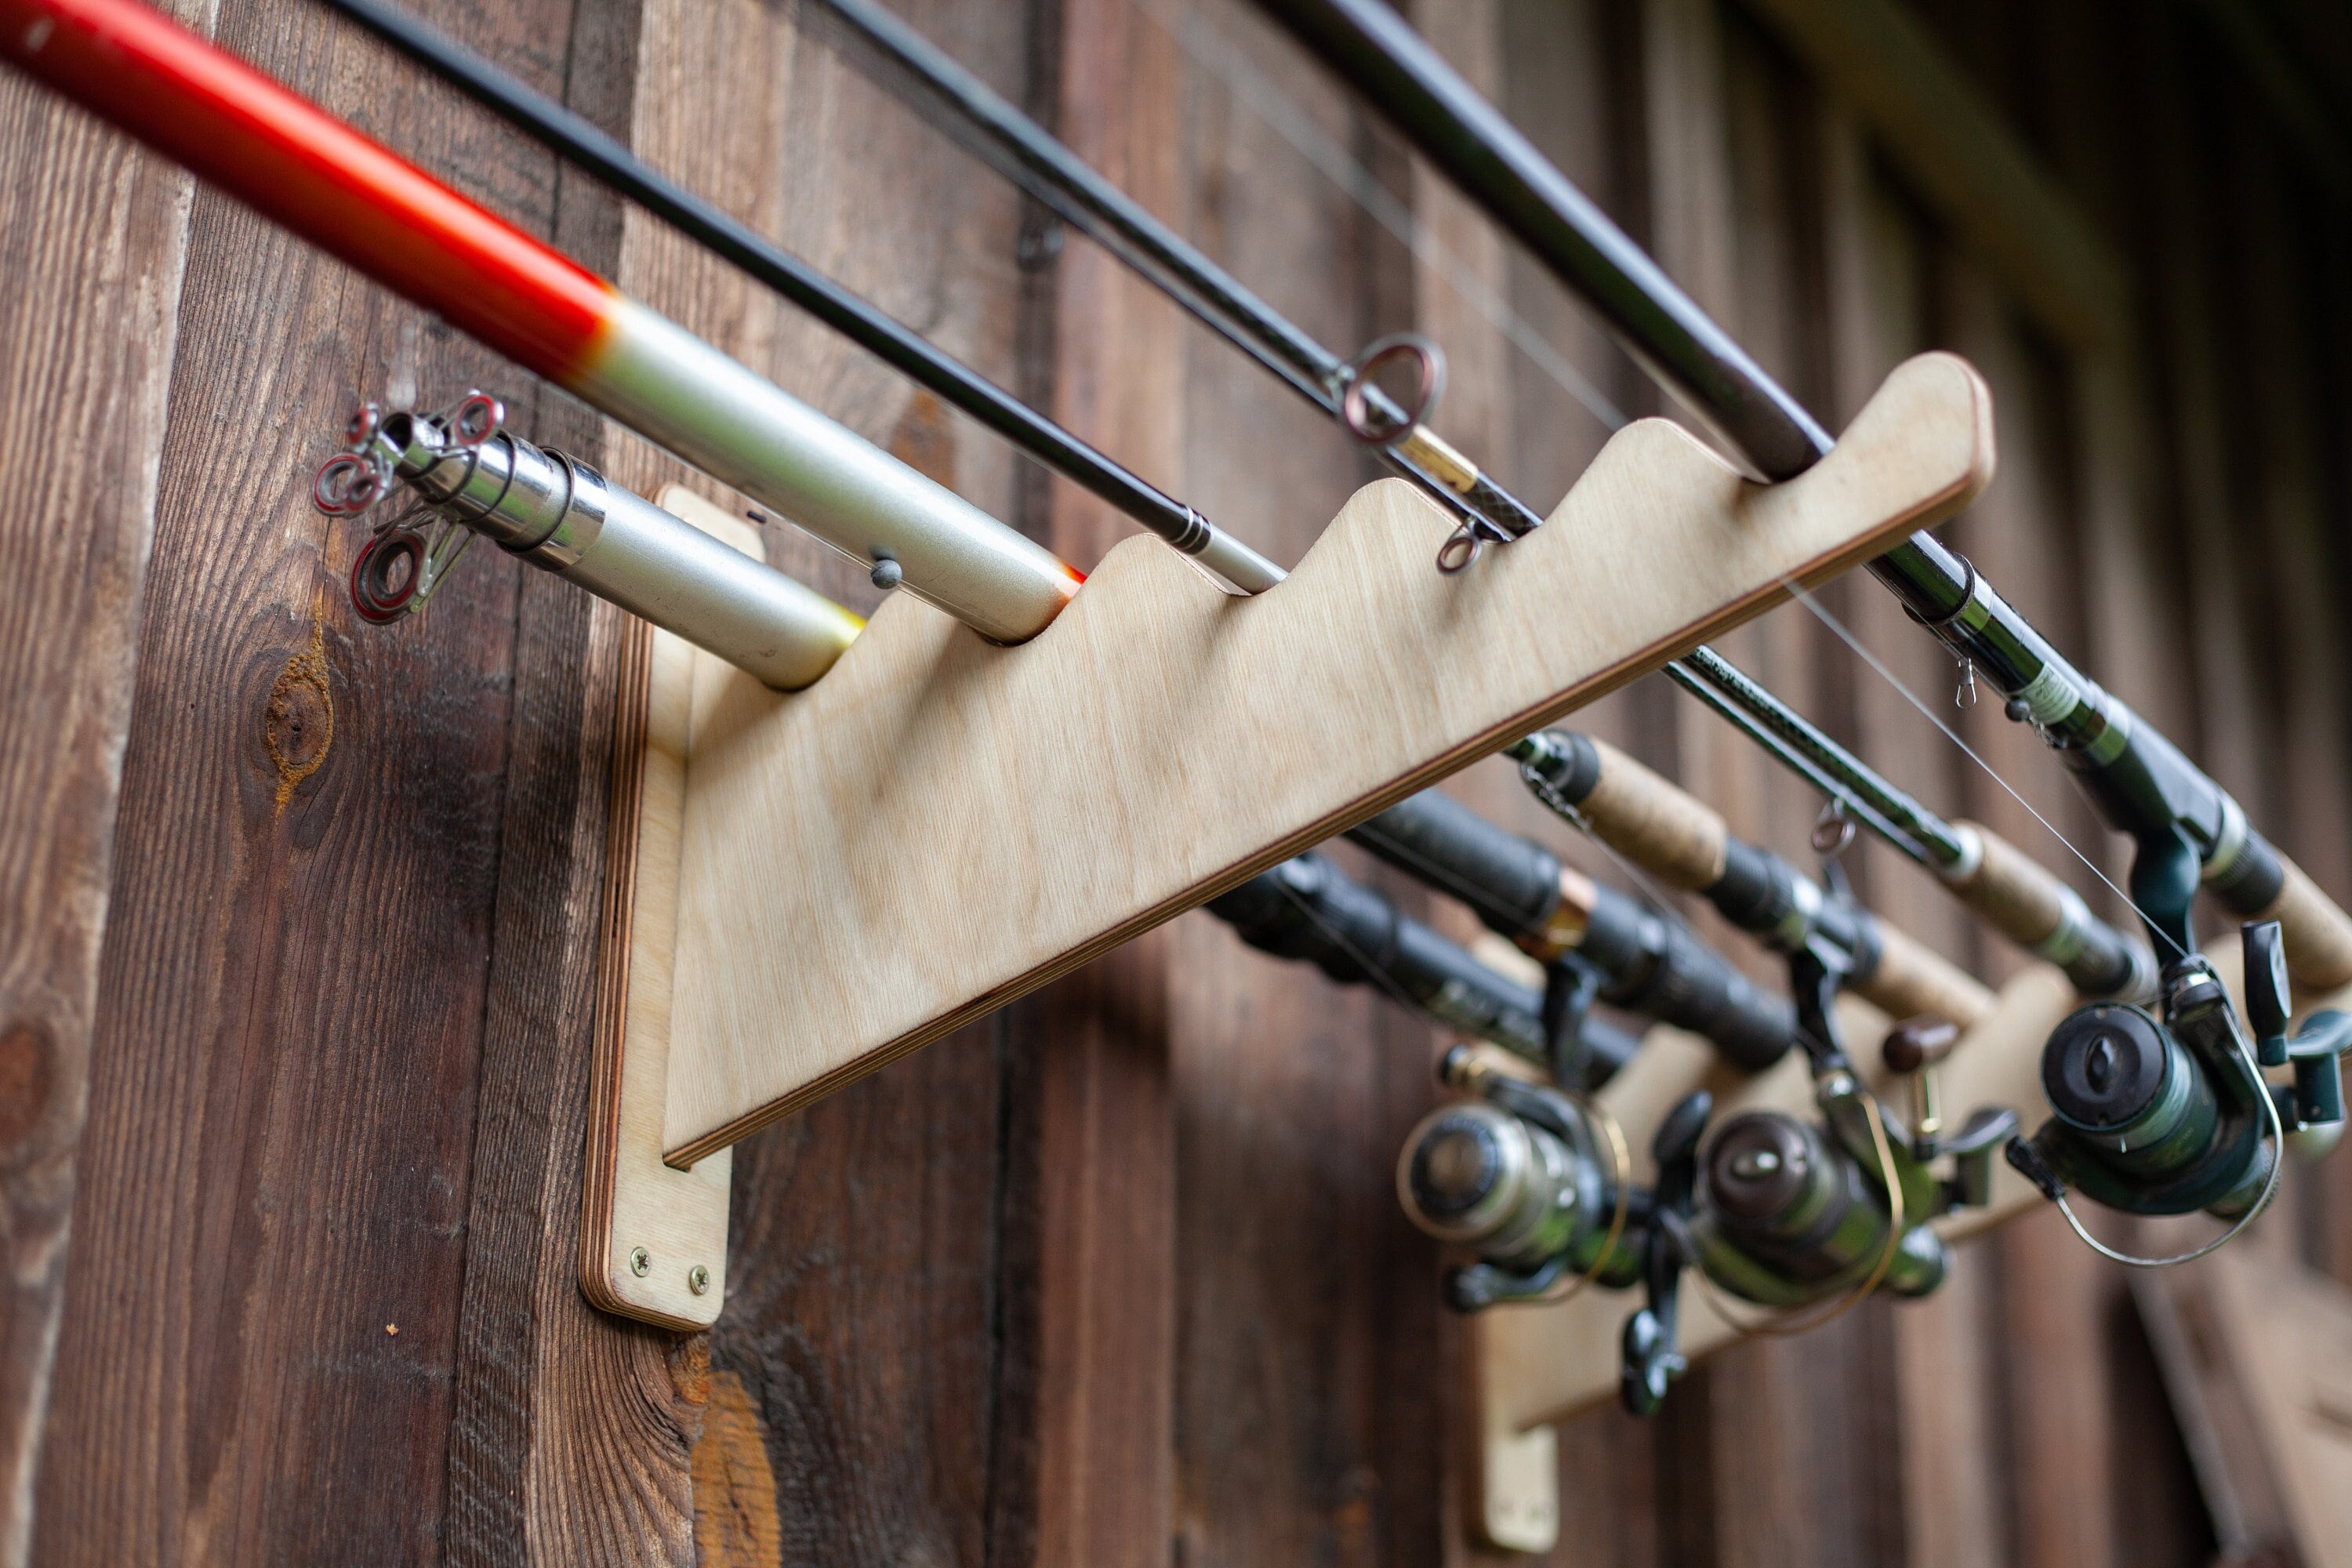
2167 1114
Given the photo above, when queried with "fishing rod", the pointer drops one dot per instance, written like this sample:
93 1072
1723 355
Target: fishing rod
1679 839
1308 909
467 475
571 137
1595 942
1996 880
976 118
969 112
313 174
2186 827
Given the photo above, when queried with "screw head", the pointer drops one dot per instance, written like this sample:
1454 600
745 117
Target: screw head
698 1279
640 1260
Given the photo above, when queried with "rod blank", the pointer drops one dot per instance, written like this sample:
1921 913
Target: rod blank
575 137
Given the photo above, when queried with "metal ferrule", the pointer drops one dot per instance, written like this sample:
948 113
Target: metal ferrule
1804 912
2228 843
2064 943
506 489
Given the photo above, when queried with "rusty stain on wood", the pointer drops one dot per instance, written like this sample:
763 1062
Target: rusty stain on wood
27 1074
298 723
735 1519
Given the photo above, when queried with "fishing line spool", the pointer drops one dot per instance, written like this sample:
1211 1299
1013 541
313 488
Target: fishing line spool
1517 1173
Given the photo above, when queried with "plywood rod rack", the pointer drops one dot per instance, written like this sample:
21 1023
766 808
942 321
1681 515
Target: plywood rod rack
805 887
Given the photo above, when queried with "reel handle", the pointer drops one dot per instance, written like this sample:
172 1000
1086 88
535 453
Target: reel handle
1648 1361
2269 1002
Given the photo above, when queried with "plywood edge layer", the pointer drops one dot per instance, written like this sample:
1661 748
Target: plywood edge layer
941 825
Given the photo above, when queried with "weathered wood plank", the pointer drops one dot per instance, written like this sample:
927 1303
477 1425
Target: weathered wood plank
869 1382
570 1431
293 984
92 236
1091 1239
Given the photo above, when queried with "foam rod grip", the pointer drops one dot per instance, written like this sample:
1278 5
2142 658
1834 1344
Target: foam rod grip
2317 935
1654 823
2009 893
1909 981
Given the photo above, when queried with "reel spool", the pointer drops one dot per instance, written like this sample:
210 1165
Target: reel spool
2168 1114
1518 1175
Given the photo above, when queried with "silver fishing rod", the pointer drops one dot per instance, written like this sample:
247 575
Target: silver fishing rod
1994 878
466 475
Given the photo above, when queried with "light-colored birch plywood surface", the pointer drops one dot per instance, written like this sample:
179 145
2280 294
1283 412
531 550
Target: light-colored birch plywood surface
942 824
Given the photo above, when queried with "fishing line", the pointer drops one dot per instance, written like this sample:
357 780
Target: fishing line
1217 56
1822 613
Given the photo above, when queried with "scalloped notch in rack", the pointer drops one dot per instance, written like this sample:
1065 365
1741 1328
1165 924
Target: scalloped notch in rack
941 825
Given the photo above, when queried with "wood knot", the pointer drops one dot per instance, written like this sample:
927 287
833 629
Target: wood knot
27 1077
298 723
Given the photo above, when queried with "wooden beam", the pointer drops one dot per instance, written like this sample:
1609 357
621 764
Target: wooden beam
1967 160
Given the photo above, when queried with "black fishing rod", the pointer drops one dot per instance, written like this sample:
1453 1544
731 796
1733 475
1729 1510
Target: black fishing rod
1308 909
953 99
1995 879
573 138
2185 827
1595 942
965 109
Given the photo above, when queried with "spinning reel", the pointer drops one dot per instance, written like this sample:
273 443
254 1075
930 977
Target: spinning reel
1805 1218
1517 1171
2170 1114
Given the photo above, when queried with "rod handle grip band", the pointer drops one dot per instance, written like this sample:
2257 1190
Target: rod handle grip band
1909 980
2317 934
1653 823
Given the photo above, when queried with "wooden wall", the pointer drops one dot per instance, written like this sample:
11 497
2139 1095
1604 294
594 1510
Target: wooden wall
298 917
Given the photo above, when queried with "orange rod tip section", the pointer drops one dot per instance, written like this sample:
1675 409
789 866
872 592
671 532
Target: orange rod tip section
294 162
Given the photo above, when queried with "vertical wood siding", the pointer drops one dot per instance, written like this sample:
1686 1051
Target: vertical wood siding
1117 1276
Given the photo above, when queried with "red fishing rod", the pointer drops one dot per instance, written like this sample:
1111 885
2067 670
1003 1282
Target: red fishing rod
299 167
